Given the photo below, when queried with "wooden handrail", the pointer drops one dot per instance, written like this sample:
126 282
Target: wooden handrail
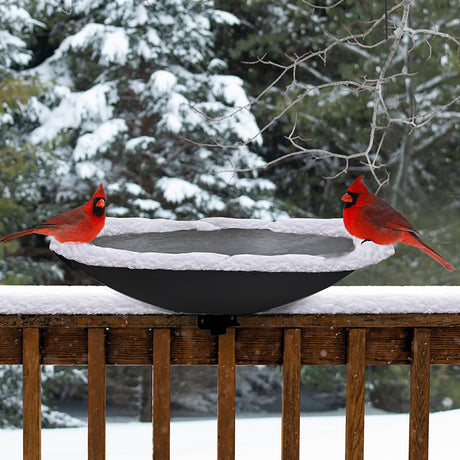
164 340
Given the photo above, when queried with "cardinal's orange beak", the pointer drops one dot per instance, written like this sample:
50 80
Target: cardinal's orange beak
100 203
347 198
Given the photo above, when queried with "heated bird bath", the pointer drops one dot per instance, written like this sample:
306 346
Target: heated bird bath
221 266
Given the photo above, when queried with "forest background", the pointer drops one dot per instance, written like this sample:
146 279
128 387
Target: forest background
178 106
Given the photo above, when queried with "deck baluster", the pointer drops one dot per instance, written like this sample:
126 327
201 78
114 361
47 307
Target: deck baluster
161 393
419 395
356 361
290 419
96 394
226 396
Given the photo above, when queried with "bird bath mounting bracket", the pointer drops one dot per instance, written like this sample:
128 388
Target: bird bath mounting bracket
217 324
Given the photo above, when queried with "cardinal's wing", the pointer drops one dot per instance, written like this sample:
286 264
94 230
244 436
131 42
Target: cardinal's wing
382 214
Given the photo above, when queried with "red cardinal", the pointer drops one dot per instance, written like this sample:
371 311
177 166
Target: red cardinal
368 217
79 225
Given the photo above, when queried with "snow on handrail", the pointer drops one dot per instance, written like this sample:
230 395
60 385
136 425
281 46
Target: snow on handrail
96 300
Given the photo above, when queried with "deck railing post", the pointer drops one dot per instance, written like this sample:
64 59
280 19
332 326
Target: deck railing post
96 394
226 396
419 395
290 418
161 393
31 394
356 365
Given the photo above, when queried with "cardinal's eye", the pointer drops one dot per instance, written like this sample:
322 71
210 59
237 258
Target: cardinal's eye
350 198
354 196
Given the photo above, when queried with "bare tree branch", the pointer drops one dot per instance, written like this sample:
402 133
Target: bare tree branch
381 118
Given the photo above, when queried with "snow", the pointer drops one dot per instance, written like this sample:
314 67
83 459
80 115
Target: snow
89 106
139 142
115 48
10 50
245 202
70 300
134 189
89 144
82 39
230 89
147 204
86 169
262 184
322 436
162 82
141 16
114 43
224 17
378 300
177 189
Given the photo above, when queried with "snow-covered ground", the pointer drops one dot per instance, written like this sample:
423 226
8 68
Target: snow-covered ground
322 437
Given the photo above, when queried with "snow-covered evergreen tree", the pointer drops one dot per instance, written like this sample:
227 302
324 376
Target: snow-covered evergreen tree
130 81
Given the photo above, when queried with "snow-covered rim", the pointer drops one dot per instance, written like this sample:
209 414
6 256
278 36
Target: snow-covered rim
89 254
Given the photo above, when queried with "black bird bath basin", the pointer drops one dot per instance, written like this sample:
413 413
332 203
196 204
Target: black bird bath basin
221 266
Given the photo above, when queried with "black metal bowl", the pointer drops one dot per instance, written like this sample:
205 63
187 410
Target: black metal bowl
228 270
212 292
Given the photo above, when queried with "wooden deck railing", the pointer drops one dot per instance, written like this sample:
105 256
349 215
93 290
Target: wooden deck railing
289 340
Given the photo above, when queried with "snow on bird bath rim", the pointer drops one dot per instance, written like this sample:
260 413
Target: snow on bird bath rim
89 254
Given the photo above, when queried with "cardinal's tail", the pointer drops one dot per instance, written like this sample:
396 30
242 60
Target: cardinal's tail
414 240
12 236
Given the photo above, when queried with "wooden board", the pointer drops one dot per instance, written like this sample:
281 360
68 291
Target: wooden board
419 395
10 345
356 365
161 393
290 417
62 346
31 395
226 397
96 394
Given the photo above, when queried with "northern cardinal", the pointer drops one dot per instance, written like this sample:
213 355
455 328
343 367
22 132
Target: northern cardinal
368 217
79 225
